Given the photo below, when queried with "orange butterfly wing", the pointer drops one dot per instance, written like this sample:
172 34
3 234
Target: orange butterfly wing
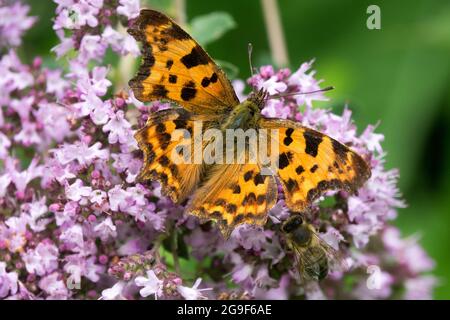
310 163
235 194
176 68
160 140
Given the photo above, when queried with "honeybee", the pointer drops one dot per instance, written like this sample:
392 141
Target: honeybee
313 256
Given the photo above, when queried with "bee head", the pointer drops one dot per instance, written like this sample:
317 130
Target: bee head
297 230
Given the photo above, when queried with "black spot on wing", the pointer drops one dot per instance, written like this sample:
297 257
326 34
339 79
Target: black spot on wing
160 127
164 140
260 199
258 179
169 64
340 150
326 185
299 170
173 78
176 32
283 160
180 123
238 218
163 178
236 189
160 91
206 81
248 175
220 202
188 92
312 141
164 161
249 199
291 185
287 141
213 78
231 208
196 57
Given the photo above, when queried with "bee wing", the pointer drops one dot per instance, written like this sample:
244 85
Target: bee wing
303 260
336 260
300 263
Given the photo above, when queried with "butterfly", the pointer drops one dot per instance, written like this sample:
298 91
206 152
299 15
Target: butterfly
175 67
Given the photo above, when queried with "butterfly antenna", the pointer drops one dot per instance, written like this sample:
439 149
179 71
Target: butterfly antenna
282 95
250 49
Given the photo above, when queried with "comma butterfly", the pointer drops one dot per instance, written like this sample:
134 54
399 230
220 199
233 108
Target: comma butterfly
177 69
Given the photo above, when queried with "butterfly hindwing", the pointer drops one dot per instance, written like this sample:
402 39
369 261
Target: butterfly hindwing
235 194
176 68
310 163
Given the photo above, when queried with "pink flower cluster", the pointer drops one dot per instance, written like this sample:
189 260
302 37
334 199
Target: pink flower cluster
75 224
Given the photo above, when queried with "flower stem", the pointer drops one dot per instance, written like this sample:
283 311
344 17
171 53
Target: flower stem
180 12
275 32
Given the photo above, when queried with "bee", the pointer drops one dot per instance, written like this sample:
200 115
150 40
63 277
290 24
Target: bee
314 257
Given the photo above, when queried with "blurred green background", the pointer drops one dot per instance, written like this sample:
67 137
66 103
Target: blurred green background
398 76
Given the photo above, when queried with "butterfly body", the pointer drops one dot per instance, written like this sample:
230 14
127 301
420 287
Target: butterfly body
176 68
245 115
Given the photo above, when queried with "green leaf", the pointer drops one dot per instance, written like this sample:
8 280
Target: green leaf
210 27
230 69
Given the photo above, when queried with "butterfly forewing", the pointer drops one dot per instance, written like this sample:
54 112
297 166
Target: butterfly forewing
176 68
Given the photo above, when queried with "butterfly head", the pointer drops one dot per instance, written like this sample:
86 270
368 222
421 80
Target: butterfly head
259 98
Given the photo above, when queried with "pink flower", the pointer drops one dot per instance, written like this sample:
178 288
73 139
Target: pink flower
115 292
128 8
92 47
80 152
41 260
52 118
72 237
77 191
420 288
118 128
55 83
65 45
106 229
23 107
28 135
5 180
192 293
117 199
305 82
54 287
35 210
120 43
5 143
21 178
13 23
8 281
151 284
85 13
